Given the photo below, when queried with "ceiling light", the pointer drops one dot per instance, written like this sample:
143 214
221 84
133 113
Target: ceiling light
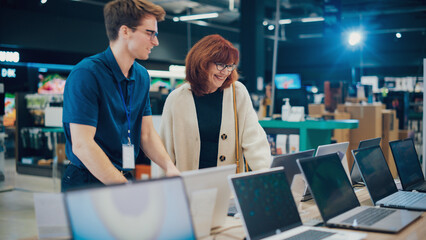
265 23
43 1
284 21
398 35
271 27
197 16
354 38
312 19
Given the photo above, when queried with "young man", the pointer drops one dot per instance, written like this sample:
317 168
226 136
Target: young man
107 113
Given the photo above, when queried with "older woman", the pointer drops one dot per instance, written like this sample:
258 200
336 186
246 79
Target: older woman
198 125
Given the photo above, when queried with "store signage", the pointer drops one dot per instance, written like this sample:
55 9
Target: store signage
8 73
9 56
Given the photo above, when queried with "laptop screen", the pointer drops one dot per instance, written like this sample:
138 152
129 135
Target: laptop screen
329 185
199 182
155 209
375 172
288 161
266 203
369 143
407 162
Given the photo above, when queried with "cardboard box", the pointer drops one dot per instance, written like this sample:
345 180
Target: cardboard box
342 135
316 109
403 133
370 124
389 133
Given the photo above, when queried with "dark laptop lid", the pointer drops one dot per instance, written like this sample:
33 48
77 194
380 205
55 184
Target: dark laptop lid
375 172
329 185
154 209
369 142
288 161
266 202
407 162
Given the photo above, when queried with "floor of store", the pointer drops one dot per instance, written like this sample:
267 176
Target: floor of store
17 216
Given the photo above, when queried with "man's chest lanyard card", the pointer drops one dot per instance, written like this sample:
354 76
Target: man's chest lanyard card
128 149
128 156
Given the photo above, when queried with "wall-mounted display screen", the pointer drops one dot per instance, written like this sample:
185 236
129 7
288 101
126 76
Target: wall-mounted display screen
288 81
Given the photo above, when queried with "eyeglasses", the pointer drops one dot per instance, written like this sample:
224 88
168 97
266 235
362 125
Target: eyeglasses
152 34
221 66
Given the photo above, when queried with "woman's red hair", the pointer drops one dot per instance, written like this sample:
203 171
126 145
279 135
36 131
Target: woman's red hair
210 49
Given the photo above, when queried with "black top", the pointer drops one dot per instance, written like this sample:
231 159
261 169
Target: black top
209 115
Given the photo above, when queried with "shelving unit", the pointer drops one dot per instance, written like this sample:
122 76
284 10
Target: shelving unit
45 140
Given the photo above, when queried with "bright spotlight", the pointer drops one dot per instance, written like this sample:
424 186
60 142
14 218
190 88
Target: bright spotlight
265 23
271 27
43 1
354 38
398 35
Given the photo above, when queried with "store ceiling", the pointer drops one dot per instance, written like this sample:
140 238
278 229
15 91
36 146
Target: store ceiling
377 16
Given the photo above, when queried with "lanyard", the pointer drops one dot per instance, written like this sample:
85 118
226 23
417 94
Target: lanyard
127 110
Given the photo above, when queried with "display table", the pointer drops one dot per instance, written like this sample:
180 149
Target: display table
312 133
309 214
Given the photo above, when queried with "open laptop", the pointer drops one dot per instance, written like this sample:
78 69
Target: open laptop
408 165
355 174
268 209
153 209
208 193
340 149
380 184
288 161
338 204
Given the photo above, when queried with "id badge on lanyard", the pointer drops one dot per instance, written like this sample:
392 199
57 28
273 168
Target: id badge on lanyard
128 149
128 156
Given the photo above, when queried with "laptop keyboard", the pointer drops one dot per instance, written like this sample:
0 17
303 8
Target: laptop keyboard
421 187
311 234
369 216
404 198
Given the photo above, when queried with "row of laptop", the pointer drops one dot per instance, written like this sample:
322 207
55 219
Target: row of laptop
267 206
188 207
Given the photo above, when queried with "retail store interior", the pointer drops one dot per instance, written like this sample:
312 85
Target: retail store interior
317 60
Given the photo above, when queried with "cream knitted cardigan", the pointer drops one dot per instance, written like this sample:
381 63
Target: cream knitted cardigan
180 134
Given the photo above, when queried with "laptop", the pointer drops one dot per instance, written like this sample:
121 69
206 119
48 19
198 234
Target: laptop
408 165
338 204
269 211
208 193
340 149
150 209
380 184
288 161
355 174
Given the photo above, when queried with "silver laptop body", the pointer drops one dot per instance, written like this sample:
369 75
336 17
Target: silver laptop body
288 161
269 211
338 204
380 184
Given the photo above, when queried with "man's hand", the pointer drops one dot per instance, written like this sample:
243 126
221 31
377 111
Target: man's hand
172 171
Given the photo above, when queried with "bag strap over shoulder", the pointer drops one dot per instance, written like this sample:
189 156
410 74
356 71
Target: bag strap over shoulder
237 142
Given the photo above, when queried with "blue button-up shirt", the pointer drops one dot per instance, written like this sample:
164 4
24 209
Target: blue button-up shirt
92 97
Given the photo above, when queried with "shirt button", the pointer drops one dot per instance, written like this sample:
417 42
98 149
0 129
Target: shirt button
224 136
222 158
